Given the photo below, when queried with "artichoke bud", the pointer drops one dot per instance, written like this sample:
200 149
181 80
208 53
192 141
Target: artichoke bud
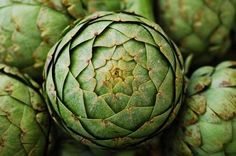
114 80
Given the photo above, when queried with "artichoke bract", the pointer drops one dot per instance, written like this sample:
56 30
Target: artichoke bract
24 119
207 122
79 9
114 80
28 30
199 27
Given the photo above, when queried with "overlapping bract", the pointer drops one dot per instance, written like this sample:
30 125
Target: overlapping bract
201 27
81 8
24 128
114 80
207 123
28 29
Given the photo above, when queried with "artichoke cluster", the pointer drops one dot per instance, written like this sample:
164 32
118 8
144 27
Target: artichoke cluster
118 77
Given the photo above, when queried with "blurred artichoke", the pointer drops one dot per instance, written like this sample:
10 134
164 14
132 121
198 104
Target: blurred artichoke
28 29
79 9
207 122
114 80
201 27
24 128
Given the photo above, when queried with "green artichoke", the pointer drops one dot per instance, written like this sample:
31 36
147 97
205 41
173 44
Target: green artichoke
79 9
28 29
207 122
24 128
199 27
114 80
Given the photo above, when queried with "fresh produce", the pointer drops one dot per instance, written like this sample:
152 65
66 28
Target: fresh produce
199 27
24 128
79 9
207 121
114 80
28 29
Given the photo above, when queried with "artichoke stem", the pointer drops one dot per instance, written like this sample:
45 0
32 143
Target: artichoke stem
141 7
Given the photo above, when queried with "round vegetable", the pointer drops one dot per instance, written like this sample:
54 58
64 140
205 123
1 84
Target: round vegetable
114 80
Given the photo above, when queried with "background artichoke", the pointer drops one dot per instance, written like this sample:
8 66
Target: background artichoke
201 27
24 119
207 122
28 29
79 9
114 80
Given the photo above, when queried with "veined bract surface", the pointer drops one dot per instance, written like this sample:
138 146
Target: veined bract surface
199 27
114 80
207 122
28 30
24 128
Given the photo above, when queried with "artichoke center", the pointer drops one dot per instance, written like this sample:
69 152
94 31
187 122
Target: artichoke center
116 73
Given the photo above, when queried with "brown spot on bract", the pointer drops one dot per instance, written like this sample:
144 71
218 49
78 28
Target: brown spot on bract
105 122
2 141
95 33
190 121
17 28
199 87
8 88
225 84
74 117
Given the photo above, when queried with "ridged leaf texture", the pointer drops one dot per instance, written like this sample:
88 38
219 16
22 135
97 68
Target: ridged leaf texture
207 122
200 27
115 80
28 29
24 128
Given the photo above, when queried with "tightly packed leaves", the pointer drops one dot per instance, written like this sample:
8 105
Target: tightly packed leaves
28 29
24 119
201 27
81 8
114 80
207 123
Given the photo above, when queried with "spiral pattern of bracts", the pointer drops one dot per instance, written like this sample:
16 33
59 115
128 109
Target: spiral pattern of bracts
200 27
207 122
28 30
114 80
24 119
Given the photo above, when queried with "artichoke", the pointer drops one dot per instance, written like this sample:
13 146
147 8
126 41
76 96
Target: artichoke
114 80
79 9
207 122
199 27
24 128
28 29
